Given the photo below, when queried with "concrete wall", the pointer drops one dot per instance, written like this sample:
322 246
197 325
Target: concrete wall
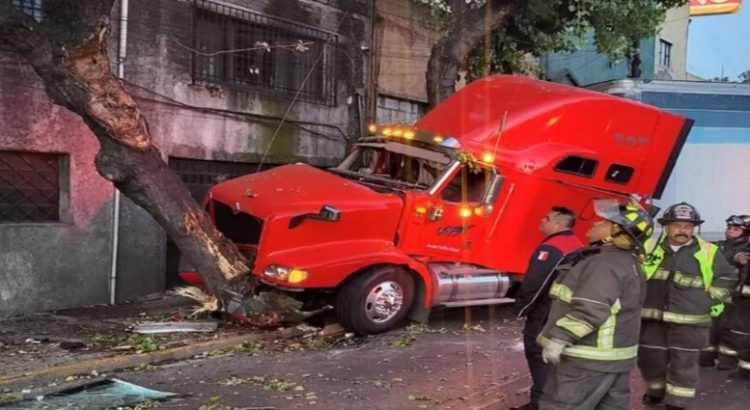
406 36
675 31
54 266
47 266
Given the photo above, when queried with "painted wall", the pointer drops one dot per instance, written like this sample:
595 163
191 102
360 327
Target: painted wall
675 31
47 266
587 66
55 266
713 168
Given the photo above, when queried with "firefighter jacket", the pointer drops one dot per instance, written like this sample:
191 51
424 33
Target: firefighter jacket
688 286
731 247
532 299
596 309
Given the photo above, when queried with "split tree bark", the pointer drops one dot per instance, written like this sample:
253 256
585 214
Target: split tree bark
467 29
68 51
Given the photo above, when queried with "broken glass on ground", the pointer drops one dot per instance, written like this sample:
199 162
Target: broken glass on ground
102 394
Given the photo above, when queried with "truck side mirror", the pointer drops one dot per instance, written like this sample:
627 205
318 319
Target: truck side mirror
493 191
327 213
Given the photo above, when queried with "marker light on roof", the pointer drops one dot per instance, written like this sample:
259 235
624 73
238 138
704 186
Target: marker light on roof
372 128
409 135
451 142
387 132
488 157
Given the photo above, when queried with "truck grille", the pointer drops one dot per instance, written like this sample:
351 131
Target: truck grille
240 228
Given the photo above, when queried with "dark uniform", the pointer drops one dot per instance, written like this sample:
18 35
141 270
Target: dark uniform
684 288
595 315
739 323
596 309
533 302
720 345
737 337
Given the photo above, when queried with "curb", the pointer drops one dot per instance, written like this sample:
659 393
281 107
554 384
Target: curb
111 363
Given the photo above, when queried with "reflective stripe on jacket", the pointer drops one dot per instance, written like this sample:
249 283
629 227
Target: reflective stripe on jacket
596 309
688 286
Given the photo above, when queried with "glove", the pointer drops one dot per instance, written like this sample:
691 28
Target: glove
551 351
742 258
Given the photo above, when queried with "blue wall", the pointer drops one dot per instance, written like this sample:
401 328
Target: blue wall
589 67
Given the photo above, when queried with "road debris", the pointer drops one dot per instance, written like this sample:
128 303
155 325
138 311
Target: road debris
175 327
108 393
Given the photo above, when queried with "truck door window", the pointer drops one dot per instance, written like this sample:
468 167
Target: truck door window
576 165
475 189
619 174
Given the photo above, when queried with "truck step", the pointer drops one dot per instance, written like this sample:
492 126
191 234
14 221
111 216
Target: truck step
477 302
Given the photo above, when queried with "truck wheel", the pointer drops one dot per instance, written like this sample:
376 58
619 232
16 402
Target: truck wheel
375 300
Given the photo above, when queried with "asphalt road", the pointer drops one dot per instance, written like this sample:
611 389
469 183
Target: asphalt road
464 359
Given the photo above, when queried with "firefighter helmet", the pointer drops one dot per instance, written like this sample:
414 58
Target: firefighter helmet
681 212
740 221
633 219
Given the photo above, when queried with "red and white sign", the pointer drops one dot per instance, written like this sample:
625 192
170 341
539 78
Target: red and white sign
703 7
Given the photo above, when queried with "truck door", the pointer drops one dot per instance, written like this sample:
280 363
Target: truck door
455 224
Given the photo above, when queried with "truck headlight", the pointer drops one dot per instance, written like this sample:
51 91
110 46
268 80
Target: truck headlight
277 272
284 273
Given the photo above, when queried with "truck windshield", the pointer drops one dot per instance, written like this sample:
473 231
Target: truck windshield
392 163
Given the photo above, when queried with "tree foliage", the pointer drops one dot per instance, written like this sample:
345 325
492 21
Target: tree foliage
745 77
498 34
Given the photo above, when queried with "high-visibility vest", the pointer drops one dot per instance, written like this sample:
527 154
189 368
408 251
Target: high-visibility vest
705 256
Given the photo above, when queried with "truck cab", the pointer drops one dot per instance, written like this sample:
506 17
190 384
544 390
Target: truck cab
445 212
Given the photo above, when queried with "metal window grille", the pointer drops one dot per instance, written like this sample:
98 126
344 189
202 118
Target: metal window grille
29 187
398 110
32 8
199 175
223 34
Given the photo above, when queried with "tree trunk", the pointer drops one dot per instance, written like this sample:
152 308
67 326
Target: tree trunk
68 50
467 30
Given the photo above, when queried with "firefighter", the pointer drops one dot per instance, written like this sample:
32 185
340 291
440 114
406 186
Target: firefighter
738 336
532 301
735 241
688 282
591 335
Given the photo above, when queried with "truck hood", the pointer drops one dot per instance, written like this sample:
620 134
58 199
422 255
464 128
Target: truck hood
294 189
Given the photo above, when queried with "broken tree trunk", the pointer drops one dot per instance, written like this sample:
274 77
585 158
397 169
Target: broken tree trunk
68 51
467 29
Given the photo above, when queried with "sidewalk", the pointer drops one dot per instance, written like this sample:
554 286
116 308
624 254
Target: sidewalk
43 347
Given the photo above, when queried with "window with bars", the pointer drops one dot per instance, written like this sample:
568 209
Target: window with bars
199 175
31 187
240 48
32 8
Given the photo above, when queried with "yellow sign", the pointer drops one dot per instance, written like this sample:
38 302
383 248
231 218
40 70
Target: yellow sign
703 7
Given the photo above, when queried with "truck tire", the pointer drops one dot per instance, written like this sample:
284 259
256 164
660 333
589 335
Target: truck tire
375 300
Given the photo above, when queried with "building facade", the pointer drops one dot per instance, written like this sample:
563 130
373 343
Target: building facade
661 57
214 79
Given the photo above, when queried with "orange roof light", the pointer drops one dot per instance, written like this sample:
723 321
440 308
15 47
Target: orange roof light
465 212
409 135
488 157
387 132
372 128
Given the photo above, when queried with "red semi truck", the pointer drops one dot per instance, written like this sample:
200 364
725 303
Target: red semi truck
445 213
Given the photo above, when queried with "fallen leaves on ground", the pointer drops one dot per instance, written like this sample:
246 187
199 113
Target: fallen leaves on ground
403 341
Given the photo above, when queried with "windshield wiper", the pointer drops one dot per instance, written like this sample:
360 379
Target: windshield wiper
386 181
